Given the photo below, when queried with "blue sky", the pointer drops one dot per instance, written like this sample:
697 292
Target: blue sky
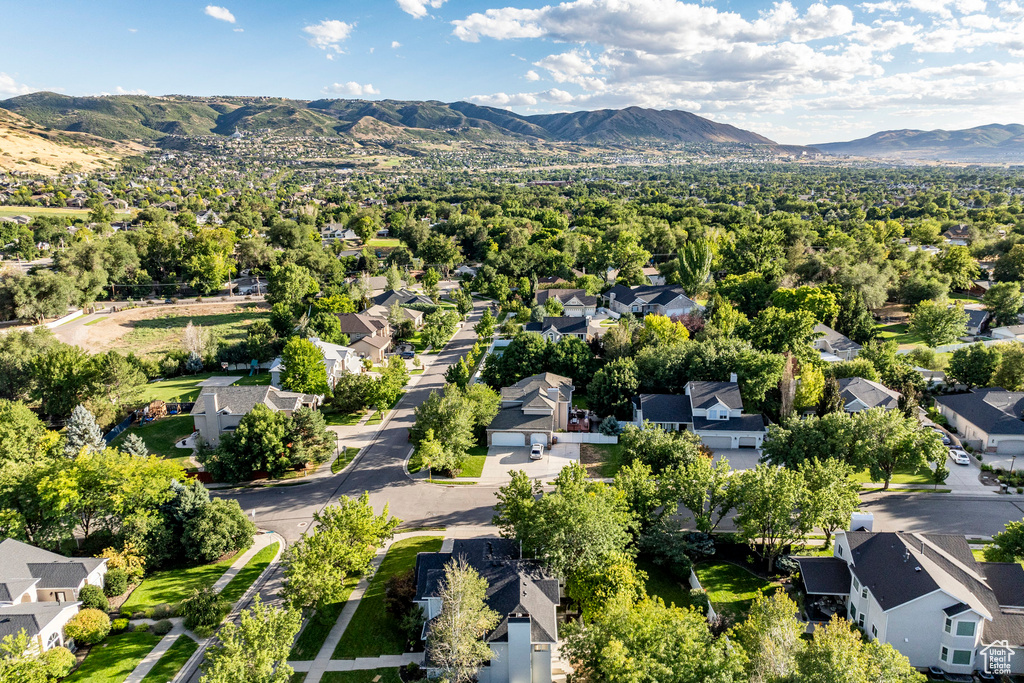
798 72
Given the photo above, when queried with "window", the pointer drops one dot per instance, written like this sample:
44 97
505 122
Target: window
949 625
944 656
541 647
965 628
853 611
860 620
874 630
856 584
864 593
962 656
840 549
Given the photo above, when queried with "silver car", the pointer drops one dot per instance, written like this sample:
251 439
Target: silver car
536 451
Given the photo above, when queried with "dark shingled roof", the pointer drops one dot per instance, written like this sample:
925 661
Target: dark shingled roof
743 423
824 575
706 394
21 561
58 574
516 588
565 295
403 296
1007 582
994 411
11 589
958 608
665 407
514 418
648 294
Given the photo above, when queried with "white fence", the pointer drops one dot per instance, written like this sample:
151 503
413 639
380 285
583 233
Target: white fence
695 584
585 437
68 318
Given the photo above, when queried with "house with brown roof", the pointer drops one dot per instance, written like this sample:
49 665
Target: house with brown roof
531 410
359 325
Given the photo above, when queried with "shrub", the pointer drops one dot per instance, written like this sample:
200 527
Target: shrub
201 609
163 611
399 593
141 628
116 582
162 627
609 426
92 597
141 614
89 626
58 662
119 625
699 599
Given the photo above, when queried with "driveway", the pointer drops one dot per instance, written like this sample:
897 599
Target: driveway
739 458
502 460
964 478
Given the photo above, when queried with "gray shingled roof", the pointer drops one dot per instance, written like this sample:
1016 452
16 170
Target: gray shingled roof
994 411
649 294
564 295
11 589
563 324
30 616
838 342
743 423
665 407
21 562
706 394
871 394
544 380
360 323
824 575
1007 582
513 418
241 400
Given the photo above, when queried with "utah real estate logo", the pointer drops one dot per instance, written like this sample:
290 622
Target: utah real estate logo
997 657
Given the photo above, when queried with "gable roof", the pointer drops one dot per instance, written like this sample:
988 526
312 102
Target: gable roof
662 408
20 562
529 385
564 295
560 324
707 394
994 411
871 394
360 323
241 400
33 617
824 575
649 295
402 296
838 342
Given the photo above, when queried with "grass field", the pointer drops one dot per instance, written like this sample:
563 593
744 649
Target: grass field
602 460
900 476
662 583
161 435
154 337
474 465
34 211
900 334
112 660
362 676
174 585
312 638
731 588
172 660
184 388
372 631
241 581
332 417
343 459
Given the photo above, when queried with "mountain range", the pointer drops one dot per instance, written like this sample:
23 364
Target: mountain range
993 142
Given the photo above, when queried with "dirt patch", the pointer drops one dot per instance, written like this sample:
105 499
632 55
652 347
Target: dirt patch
593 459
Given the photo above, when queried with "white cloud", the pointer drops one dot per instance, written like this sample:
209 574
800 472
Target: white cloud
351 88
221 13
329 34
395 45
133 30
418 8
532 75
238 30
10 87
121 91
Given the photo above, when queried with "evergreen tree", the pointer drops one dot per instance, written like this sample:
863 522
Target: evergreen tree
831 400
134 445
81 432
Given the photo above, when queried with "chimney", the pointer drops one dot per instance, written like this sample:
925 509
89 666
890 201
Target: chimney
733 378
210 400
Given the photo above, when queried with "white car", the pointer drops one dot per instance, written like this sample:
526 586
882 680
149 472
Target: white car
959 456
536 451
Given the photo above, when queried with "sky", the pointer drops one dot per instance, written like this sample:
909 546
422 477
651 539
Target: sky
796 71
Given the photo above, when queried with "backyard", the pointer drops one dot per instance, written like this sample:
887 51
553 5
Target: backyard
112 660
661 582
161 435
730 588
183 388
899 333
373 632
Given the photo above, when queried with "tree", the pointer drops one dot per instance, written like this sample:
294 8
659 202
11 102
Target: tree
304 368
201 610
658 448
819 302
327 327
832 494
973 365
364 226
527 354
485 327
82 432
831 399
810 388
455 643
441 251
613 387
572 358
88 626
394 278
457 374
119 378
660 329
344 540
1010 266
64 378
838 653
708 491
257 444
1007 545
647 641
778 331
768 513
22 662
694 270
311 440
854 318
956 262
217 529
771 637
937 323
896 443
1010 372
291 285
256 649
1004 300
41 295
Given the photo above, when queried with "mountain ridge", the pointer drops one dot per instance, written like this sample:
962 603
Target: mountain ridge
989 142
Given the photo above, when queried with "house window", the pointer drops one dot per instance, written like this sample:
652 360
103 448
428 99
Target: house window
853 610
860 620
965 628
856 584
949 625
874 630
962 657
944 656
541 647
840 549
53 641
864 593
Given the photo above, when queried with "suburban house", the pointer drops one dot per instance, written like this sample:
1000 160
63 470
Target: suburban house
959 235
219 409
375 348
667 300
576 303
338 360
834 347
712 410
1013 332
924 594
863 394
39 591
977 318
531 410
408 314
523 594
553 329
987 419
403 297
376 284
359 325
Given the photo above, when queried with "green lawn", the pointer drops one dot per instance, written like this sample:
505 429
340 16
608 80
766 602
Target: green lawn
372 631
161 435
174 585
731 588
384 242
474 465
601 459
34 211
378 416
900 476
313 636
95 320
362 676
343 459
154 337
112 660
899 334
332 417
662 583
184 388
241 581
172 660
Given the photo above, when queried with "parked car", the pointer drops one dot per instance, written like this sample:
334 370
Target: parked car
943 436
536 451
959 456
409 355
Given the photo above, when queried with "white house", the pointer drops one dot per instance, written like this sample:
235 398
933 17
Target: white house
833 346
987 419
712 410
554 328
576 303
924 594
531 410
39 591
338 361
523 594
863 394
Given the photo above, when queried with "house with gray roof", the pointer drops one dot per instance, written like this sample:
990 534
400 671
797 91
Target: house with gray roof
576 303
220 409
668 300
712 410
403 297
863 394
39 591
523 594
554 328
833 346
924 594
987 419
531 410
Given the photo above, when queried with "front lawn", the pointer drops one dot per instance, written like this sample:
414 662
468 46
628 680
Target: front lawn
730 588
474 465
172 660
373 632
664 584
241 581
112 660
312 638
174 585
333 417
378 417
161 435
343 459
602 460
362 676
900 476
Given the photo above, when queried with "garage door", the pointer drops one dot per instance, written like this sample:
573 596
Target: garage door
748 442
540 438
508 439
1010 448
717 441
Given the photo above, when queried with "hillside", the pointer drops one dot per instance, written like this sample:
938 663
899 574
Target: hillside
993 142
134 117
31 148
